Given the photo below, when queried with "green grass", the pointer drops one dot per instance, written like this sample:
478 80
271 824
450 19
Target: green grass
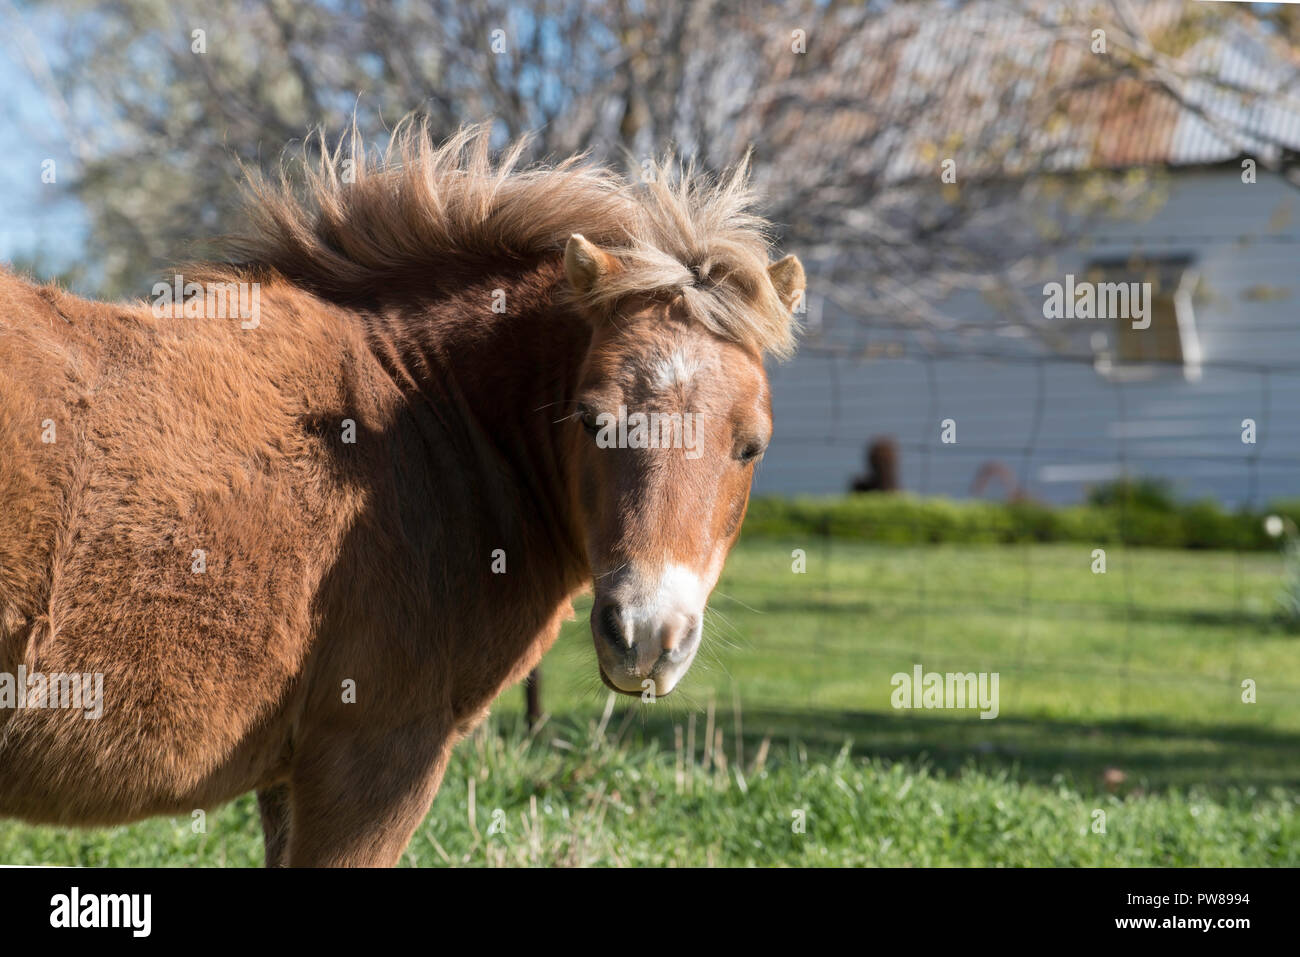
1120 693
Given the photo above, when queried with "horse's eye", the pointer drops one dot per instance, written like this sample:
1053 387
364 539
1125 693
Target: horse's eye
589 419
750 452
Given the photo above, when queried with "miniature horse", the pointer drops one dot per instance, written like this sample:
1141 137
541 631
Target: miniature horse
303 545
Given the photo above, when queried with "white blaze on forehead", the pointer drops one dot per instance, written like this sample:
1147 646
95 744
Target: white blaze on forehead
675 369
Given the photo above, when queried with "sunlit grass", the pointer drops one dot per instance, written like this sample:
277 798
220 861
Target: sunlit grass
1120 693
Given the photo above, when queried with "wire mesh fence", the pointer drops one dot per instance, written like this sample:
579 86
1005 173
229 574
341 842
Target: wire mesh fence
1189 620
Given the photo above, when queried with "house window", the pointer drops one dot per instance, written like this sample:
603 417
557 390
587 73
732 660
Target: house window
1165 340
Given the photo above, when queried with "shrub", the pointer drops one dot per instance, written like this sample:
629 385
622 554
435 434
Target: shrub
900 518
1149 494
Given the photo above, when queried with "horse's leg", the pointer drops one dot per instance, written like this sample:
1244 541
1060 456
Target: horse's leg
357 799
273 802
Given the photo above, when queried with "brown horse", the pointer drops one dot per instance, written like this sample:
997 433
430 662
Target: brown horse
302 543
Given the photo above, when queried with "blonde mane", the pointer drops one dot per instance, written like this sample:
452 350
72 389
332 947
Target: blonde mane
359 220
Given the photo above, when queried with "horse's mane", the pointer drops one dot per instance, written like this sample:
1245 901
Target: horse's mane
355 220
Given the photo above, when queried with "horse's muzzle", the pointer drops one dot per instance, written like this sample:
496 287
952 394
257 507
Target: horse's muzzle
642 650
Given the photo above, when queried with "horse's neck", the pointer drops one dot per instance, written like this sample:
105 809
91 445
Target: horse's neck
497 364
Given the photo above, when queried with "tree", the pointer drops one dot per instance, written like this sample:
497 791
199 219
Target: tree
911 153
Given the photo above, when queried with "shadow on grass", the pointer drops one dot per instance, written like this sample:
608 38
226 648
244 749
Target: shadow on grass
1118 756
1270 621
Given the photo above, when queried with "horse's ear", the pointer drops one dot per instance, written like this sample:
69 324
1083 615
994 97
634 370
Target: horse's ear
586 264
788 280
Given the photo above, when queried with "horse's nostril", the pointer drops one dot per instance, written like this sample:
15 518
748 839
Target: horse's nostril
678 633
609 622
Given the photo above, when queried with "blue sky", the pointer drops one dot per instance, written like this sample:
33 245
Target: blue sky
35 217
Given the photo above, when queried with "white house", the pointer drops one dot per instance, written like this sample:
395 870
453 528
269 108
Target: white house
1206 393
